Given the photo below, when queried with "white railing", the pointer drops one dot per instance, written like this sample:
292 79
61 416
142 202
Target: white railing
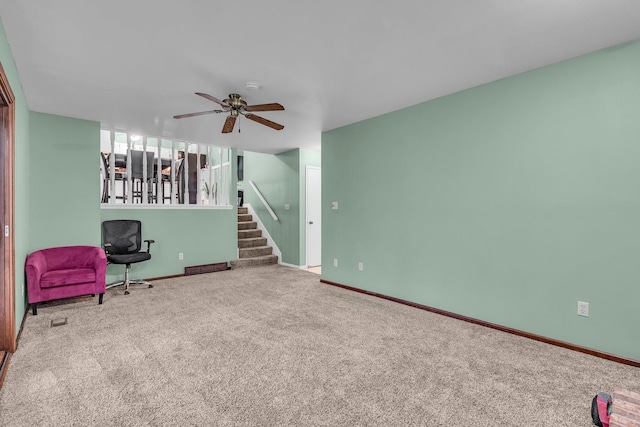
263 200
208 183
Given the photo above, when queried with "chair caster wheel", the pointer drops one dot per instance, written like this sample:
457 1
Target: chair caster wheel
151 286
126 292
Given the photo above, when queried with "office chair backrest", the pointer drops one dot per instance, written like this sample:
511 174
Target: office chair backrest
124 235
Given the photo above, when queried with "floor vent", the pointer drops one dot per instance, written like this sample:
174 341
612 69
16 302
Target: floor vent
58 322
206 268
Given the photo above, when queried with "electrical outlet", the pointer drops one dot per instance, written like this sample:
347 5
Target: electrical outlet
180 256
360 266
334 205
583 308
335 262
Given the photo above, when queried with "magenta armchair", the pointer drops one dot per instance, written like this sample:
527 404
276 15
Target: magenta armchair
64 272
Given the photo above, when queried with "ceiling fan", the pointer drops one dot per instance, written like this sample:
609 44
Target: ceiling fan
235 106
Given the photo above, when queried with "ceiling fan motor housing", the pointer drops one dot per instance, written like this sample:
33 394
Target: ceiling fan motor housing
236 101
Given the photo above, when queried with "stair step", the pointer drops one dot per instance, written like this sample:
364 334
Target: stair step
247 225
247 234
252 242
255 252
243 210
245 217
249 262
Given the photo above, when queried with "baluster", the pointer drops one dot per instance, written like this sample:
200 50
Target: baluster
159 181
129 170
185 175
212 196
144 185
112 169
198 175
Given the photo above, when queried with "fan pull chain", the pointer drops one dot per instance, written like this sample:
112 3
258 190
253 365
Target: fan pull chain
239 122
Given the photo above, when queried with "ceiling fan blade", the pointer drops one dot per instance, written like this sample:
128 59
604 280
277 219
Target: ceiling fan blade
212 98
264 107
264 121
229 124
182 116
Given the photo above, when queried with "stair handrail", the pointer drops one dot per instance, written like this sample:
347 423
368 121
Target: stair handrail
263 200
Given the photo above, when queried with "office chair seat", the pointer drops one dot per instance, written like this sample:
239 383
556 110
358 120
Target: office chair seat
128 258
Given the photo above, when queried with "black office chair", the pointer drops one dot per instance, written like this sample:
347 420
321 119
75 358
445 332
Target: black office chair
122 243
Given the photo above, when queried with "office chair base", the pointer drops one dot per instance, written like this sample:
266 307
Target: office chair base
128 282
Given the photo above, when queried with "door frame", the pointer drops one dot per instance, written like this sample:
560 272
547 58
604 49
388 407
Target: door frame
7 246
306 219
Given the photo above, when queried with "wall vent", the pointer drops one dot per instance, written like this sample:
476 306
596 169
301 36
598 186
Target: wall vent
206 268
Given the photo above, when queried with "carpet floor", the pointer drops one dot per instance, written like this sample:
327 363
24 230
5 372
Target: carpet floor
272 346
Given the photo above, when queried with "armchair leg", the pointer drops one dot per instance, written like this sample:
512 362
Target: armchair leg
34 309
100 298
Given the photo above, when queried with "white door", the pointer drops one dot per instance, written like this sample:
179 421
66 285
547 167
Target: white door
314 217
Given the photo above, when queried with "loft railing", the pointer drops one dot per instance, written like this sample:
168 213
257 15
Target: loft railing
263 200
184 173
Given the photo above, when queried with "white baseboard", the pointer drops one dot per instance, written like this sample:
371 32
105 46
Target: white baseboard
301 267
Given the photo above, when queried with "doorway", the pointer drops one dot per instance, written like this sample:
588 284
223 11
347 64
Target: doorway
314 216
7 261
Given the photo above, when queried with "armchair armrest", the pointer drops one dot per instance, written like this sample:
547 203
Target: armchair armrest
35 266
100 267
98 256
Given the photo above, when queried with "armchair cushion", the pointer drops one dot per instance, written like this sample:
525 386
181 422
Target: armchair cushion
66 277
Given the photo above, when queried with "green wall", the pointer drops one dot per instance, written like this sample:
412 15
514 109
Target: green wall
203 236
21 176
281 180
508 202
65 182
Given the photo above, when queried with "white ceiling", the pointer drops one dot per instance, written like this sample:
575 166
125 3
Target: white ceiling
133 64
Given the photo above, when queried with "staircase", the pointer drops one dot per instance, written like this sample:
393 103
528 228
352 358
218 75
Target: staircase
253 249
